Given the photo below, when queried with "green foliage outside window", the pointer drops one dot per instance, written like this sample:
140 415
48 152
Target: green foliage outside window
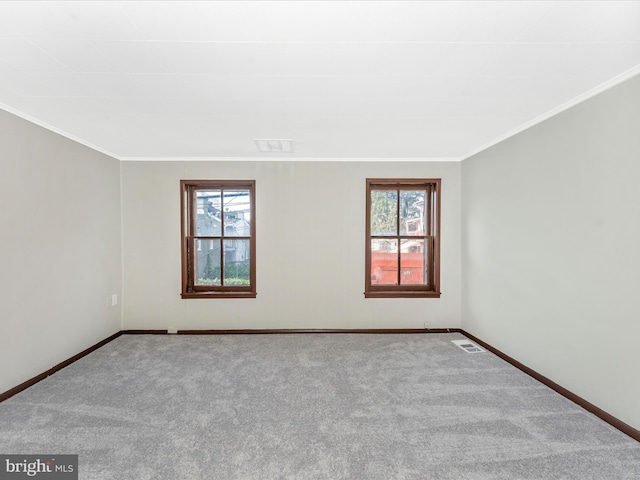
234 273
384 209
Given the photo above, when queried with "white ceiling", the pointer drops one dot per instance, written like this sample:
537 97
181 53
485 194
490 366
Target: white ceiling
343 80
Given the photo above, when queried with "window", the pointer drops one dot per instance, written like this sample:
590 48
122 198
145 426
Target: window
402 238
218 239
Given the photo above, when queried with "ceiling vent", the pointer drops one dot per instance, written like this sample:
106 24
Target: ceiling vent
266 145
468 346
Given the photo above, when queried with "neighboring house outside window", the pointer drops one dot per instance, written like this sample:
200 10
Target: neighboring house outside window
218 238
402 238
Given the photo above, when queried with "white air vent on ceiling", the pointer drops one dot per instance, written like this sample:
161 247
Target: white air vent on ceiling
266 145
468 346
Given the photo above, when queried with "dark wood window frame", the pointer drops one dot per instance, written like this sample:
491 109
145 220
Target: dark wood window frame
188 209
431 288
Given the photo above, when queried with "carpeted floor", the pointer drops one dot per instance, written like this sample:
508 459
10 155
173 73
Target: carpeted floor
317 406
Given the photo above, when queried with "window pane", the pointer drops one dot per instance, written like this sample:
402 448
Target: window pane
218 244
237 213
412 262
208 213
207 260
412 212
384 212
384 262
237 256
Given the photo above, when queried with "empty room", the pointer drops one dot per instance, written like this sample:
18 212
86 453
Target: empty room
320 240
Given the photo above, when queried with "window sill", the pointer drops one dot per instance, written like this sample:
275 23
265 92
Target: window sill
186 295
400 294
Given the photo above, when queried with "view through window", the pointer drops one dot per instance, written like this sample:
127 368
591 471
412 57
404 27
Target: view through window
403 240
218 251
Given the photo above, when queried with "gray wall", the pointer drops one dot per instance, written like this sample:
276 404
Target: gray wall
60 257
551 249
310 248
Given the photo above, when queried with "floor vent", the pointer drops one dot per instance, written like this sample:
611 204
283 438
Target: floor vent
468 346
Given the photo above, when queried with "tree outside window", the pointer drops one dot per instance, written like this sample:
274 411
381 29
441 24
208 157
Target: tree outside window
402 238
218 239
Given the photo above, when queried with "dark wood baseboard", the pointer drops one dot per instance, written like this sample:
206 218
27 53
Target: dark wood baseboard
32 381
590 407
271 331
610 419
144 332
316 330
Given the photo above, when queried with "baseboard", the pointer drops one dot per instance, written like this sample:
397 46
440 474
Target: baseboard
317 330
610 419
144 332
590 407
32 381
272 331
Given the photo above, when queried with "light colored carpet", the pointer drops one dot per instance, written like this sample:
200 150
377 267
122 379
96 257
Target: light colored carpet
317 406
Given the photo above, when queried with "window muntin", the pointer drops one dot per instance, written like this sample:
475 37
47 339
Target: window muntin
403 241
218 239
